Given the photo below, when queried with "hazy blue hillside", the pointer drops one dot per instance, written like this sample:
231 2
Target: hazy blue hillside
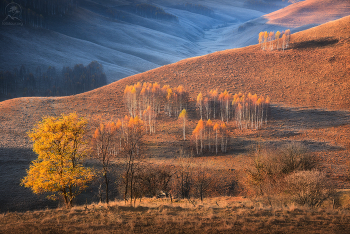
126 37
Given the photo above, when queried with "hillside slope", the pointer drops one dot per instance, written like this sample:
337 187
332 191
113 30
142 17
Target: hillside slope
109 32
309 12
312 73
127 43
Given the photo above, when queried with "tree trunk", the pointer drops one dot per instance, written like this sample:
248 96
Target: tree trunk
107 182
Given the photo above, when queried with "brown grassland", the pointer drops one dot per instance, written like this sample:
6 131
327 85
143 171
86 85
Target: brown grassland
309 12
309 87
216 215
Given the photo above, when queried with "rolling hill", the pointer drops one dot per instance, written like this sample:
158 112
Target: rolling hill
127 43
309 12
308 84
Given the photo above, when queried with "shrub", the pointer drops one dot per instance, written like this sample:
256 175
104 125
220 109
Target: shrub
295 157
309 188
266 174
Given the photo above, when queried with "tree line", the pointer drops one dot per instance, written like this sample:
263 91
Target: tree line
249 111
22 82
146 101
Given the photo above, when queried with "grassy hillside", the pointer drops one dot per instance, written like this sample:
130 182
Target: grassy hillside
307 83
309 12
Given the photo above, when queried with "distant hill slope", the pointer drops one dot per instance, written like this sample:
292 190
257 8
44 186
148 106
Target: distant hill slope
128 42
124 40
309 12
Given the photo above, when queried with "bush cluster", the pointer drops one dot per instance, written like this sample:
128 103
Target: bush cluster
289 173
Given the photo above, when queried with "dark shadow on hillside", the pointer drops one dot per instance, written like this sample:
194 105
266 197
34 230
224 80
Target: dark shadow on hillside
295 118
312 146
13 197
314 43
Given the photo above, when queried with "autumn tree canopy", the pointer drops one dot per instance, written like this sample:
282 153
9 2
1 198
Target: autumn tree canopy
59 168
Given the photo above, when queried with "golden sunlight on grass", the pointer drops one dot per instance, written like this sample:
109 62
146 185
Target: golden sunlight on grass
215 215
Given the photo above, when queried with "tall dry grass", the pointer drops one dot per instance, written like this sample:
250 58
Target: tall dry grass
214 215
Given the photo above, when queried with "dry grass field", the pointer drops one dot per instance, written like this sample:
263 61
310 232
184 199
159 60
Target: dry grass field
309 86
216 215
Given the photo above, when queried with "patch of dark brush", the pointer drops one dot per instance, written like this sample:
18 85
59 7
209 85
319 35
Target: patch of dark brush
314 43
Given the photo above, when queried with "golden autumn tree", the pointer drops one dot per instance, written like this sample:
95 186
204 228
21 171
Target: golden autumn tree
216 128
183 115
200 104
261 36
271 37
59 168
209 125
287 33
266 36
198 133
277 37
283 41
105 145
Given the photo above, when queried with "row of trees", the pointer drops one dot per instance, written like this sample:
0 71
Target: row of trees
146 100
210 134
249 111
22 82
272 40
63 147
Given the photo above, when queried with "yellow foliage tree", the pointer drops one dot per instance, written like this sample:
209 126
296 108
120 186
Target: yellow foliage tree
200 103
183 115
59 167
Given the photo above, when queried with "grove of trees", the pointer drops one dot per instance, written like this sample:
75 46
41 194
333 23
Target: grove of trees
22 82
272 40
248 111
145 100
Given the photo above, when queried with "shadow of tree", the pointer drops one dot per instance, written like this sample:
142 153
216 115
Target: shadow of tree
314 43
296 118
13 197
